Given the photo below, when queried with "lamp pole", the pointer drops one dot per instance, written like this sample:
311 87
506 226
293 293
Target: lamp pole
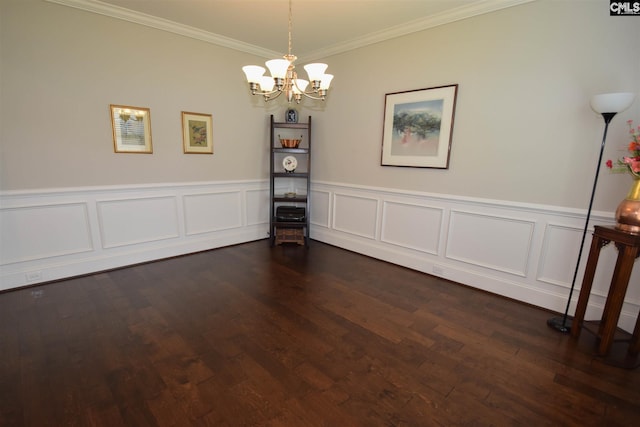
608 105
563 324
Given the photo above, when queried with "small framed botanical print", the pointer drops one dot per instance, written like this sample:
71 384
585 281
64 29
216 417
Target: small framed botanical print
197 133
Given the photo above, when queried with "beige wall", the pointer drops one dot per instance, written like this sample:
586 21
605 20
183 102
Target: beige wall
523 131
62 67
523 128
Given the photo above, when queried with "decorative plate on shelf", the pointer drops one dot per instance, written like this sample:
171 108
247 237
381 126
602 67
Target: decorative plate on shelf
290 163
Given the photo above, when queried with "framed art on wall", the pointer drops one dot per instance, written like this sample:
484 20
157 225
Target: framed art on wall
418 126
131 127
197 136
291 116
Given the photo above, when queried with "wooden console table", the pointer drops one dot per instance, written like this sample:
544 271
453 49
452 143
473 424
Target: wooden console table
628 250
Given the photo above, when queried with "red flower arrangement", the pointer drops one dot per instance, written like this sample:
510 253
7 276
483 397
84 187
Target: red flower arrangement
629 163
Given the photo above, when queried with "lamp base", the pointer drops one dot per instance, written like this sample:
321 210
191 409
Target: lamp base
560 324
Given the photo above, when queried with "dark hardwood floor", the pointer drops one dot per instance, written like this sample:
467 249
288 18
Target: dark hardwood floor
256 336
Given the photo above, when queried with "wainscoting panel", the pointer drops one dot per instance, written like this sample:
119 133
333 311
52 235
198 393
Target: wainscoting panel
320 208
424 237
54 234
522 251
45 231
257 203
205 213
132 221
493 242
553 260
355 215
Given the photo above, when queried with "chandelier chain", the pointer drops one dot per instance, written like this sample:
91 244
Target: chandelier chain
289 27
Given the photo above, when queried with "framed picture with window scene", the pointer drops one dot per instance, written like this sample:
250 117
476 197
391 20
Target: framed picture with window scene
418 126
131 128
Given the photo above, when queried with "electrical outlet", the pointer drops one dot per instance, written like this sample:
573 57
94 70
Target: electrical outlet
33 276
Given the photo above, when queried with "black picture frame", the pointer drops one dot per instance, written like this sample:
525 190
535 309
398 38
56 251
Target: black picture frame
291 116
418 127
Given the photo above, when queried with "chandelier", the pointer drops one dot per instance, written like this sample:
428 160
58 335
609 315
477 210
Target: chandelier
284 78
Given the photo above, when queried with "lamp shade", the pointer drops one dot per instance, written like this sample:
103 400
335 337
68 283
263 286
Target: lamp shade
315 70
278 68
300 85
325 81
266 83
612 102
253 72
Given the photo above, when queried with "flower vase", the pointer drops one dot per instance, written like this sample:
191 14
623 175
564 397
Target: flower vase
628 212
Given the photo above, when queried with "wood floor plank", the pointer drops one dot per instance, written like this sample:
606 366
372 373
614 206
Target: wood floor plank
252 335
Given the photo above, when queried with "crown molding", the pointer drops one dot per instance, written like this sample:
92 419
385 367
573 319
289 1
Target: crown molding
113 11
453 15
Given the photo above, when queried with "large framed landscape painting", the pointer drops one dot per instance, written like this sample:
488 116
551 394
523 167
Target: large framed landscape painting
418 127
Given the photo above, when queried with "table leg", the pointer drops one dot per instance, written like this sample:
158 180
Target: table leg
634 345
619 282
587 281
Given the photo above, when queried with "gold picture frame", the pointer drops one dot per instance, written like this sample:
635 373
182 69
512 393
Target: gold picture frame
131 127
197 133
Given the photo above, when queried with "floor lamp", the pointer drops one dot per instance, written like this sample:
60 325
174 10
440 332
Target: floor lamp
608 104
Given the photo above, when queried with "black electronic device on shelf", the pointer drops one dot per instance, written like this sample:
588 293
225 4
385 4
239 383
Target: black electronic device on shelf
290 213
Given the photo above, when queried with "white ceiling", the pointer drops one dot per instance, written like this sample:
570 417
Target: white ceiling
319 27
